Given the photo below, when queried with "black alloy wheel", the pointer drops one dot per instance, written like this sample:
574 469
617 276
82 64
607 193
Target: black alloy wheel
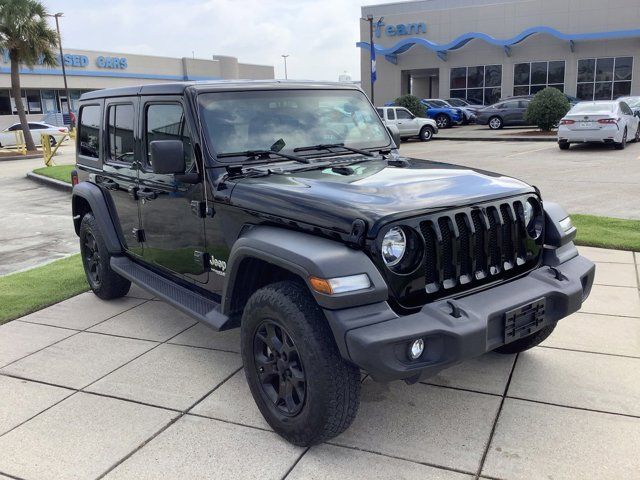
92 259
279 368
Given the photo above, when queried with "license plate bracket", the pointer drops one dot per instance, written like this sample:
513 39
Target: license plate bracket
524 320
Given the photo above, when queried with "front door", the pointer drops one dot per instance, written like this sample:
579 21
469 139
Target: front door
170 205
405 122
119 178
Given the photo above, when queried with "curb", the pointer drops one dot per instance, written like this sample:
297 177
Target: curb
50 182
21 157
495 139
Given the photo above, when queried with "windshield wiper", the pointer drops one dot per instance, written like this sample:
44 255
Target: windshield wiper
264 155
329 146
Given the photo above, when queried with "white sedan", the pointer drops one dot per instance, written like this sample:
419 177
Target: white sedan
603 121
8 135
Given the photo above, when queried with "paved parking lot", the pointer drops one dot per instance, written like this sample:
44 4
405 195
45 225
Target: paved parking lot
133 389
593 179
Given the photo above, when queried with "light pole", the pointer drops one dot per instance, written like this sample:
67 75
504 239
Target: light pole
64 71
372 54
285 66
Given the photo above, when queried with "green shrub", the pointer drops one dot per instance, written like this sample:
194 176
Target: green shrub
547 108
412 103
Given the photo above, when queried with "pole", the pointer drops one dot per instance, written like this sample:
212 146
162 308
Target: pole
370 20
286 77
64 71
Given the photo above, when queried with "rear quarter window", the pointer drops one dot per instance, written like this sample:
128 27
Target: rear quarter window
89 131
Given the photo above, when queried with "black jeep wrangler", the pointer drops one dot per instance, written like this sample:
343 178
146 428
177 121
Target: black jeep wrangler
285 209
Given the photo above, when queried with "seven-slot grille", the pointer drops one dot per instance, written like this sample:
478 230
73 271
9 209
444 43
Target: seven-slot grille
465 248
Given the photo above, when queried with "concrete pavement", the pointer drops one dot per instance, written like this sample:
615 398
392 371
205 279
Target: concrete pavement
133 389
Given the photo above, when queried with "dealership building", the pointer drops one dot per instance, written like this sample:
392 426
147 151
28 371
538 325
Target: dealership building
491 49
43 90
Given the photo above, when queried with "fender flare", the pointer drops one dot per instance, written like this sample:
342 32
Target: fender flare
306 255
94 197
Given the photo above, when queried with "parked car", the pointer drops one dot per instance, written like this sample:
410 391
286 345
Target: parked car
468 113
604 121
331 259
444 115
572 100
407 123
504 113
464 102
633 102
8 137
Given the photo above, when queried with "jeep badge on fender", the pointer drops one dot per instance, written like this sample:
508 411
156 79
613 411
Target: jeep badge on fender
286 209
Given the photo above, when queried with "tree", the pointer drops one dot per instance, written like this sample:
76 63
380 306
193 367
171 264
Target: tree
26 35
412 103
547 108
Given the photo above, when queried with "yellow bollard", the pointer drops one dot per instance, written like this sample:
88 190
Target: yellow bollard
20 143
46 149
72 133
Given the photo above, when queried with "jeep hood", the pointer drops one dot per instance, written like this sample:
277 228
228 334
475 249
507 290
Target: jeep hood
373 191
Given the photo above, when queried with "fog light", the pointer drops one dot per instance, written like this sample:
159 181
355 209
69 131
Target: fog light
416 349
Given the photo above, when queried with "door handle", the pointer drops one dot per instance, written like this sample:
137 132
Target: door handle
107 183
147 194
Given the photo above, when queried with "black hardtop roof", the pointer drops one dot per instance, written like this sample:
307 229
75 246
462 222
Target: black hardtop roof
177 88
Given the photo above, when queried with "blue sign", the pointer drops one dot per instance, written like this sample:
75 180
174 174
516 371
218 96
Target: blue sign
400 29
80 61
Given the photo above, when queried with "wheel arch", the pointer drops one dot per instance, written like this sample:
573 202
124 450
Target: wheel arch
267 254
87 197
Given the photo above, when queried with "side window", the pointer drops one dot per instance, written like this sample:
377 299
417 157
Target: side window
625 109
13 128
166 122
523 104
89 131
380 113
120 127
36 126
403 114
391 113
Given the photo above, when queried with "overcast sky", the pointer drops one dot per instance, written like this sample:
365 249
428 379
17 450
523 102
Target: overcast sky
320 35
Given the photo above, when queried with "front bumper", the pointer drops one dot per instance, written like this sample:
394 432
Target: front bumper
380 346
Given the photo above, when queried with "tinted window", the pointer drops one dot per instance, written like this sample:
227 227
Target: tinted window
475 77
380 112
513 104
121 142
556 72
586 70
538 73
459 77
604 69
391 114
521 74
15 127
166 122
89 131
493 76
37 126
403 115
625 109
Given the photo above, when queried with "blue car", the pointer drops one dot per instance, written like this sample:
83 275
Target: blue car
445 116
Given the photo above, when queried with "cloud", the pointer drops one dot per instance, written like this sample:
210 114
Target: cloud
319 35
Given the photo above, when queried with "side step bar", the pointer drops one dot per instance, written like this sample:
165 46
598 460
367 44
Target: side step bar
193 304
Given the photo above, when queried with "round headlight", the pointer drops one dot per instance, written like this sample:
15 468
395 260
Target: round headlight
394 244
528 212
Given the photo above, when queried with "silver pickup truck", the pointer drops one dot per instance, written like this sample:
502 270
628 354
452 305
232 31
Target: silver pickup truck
407 123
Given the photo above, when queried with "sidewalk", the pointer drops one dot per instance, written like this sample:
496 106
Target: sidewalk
134 389
484 133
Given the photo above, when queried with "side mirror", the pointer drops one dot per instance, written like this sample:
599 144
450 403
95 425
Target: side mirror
167 156
395 134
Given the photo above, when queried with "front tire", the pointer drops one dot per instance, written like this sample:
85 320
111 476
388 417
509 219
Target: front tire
426 133
443 121
495 123
304 389
563 145
528 342
104 282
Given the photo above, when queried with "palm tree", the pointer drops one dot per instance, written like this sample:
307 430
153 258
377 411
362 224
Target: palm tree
26 35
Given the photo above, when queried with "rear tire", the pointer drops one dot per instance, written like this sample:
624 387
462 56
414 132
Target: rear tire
426 133
623 143
528 342
636 138
443 121
495 123
563 145
104 282
305 390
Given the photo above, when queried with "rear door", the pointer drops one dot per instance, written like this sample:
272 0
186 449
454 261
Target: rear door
170 206
119 177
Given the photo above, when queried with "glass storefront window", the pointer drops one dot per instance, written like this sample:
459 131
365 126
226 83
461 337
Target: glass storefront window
604 78
49 101
33 101
480 83
531 77
5 102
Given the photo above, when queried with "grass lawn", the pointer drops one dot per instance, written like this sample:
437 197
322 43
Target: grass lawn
26 292
59 172
607 232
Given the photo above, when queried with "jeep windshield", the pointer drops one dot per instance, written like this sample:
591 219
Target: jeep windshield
289 121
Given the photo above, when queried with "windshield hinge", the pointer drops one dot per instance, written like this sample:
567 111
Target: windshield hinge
358 230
